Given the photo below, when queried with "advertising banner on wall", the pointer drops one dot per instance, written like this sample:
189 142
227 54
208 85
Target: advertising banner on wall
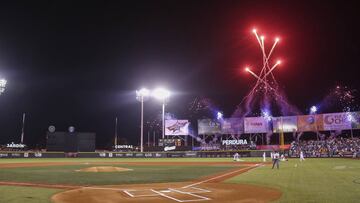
354 117
256 125
285 124
177 127
307 123
336 121
209 127
232 126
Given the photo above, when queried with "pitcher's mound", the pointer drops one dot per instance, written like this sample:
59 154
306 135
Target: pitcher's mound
104 169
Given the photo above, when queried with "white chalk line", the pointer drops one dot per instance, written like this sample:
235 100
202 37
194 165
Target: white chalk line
191 194
220 176
201 198
163 195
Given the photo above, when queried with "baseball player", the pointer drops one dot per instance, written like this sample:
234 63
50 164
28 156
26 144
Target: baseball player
276 157
264 157
236 156
302 156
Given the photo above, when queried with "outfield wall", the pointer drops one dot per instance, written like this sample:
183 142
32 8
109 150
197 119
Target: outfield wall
173 154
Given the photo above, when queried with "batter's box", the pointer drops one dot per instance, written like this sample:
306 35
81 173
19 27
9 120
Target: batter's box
181 196
193 190
190 194
141 193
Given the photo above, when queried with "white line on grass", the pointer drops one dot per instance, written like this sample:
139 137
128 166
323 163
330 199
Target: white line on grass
220 176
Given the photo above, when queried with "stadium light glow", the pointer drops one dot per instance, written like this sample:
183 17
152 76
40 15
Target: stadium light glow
219 115
161 93
313 109
143 92
266 115
3 83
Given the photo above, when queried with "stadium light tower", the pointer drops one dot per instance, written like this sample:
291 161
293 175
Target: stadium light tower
162 95
142 95
3 83
313 110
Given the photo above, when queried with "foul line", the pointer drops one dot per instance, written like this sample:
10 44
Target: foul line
220 176
101 188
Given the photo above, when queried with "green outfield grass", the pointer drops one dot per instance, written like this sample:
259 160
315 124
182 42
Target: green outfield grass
14 194
315 180
140 174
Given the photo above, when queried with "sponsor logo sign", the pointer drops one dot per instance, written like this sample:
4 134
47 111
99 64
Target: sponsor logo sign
148 155
234 142
102 154
209 127
336 121
207 147
26 154
177 127
3 155
13 145
285 124
110 154
169 148
123 146
190 154
232 126
312 123
38 154
256 125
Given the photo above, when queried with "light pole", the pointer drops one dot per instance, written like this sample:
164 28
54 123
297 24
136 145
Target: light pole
142 95
313 111
162 94
2 85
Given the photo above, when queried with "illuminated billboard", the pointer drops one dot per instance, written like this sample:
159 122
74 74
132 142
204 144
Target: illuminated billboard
209 127
177 127
284 124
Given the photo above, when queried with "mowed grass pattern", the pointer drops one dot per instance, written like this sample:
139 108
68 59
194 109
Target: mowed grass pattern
14 194
315 180
140 174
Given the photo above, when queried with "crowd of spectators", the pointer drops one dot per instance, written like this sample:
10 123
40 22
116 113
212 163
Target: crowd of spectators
331 147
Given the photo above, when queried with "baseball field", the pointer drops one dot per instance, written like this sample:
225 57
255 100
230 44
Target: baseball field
178 180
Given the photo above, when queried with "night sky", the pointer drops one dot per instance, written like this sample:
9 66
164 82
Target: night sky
80 63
